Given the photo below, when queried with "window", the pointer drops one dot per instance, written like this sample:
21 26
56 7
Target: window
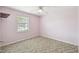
22 23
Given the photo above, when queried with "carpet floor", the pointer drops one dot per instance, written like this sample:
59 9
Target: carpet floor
40 45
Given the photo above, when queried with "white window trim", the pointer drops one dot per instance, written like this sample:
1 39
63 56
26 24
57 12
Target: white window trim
27 26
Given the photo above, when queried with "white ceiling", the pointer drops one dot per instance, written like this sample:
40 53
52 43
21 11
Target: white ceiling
29 9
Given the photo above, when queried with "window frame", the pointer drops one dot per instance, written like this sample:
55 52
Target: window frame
17 18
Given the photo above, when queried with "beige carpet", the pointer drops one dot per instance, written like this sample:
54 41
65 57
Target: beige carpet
40 45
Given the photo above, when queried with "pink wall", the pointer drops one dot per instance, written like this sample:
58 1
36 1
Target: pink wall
0 30
9 24
78 27
60 23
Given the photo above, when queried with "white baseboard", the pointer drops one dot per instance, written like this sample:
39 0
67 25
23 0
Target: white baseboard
48 36
7 43
51 37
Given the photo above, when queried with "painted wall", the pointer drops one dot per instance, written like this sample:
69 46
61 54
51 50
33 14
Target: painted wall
78 29
9 26
0 30
60 23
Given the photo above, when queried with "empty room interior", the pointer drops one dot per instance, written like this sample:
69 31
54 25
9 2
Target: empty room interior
39 29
